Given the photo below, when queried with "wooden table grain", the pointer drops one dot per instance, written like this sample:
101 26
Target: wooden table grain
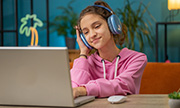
133 101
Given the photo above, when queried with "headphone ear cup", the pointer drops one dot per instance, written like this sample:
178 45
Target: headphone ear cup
84 41
114 24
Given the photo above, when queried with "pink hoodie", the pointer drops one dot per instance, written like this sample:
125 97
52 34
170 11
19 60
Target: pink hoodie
98 77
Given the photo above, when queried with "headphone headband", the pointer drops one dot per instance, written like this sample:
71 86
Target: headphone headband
104 8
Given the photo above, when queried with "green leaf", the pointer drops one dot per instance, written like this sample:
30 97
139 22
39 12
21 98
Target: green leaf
174 95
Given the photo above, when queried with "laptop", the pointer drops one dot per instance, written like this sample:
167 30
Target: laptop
37 76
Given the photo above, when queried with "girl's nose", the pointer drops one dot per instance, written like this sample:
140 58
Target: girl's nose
92 34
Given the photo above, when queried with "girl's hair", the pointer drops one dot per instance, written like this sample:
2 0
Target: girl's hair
118 38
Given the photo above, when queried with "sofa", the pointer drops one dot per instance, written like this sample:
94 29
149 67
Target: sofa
159 78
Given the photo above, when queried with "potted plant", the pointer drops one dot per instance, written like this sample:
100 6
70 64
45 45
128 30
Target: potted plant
174 99
64 24
138 27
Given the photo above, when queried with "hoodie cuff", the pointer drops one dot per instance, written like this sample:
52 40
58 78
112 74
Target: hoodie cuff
92 89
81 63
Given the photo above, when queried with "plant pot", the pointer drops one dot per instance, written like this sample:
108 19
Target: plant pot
70 42
174 103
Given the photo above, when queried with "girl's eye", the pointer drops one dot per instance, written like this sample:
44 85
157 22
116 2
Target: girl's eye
86 32
97 26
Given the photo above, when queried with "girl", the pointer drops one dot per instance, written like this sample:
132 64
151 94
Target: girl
109 71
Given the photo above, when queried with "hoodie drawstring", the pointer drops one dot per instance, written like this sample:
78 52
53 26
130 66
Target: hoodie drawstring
104 69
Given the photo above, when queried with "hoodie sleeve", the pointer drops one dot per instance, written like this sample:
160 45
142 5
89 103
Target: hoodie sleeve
127 82
79 73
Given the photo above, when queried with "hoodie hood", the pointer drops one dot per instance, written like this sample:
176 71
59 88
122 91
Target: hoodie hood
124 54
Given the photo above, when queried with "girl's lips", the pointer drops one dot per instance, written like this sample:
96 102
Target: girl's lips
96 40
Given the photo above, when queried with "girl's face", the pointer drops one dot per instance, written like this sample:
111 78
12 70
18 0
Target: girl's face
95 30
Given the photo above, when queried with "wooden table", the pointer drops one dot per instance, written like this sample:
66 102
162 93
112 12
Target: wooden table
133 101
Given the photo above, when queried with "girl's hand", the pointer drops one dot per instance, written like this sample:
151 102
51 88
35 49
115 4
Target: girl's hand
79 91
82 46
